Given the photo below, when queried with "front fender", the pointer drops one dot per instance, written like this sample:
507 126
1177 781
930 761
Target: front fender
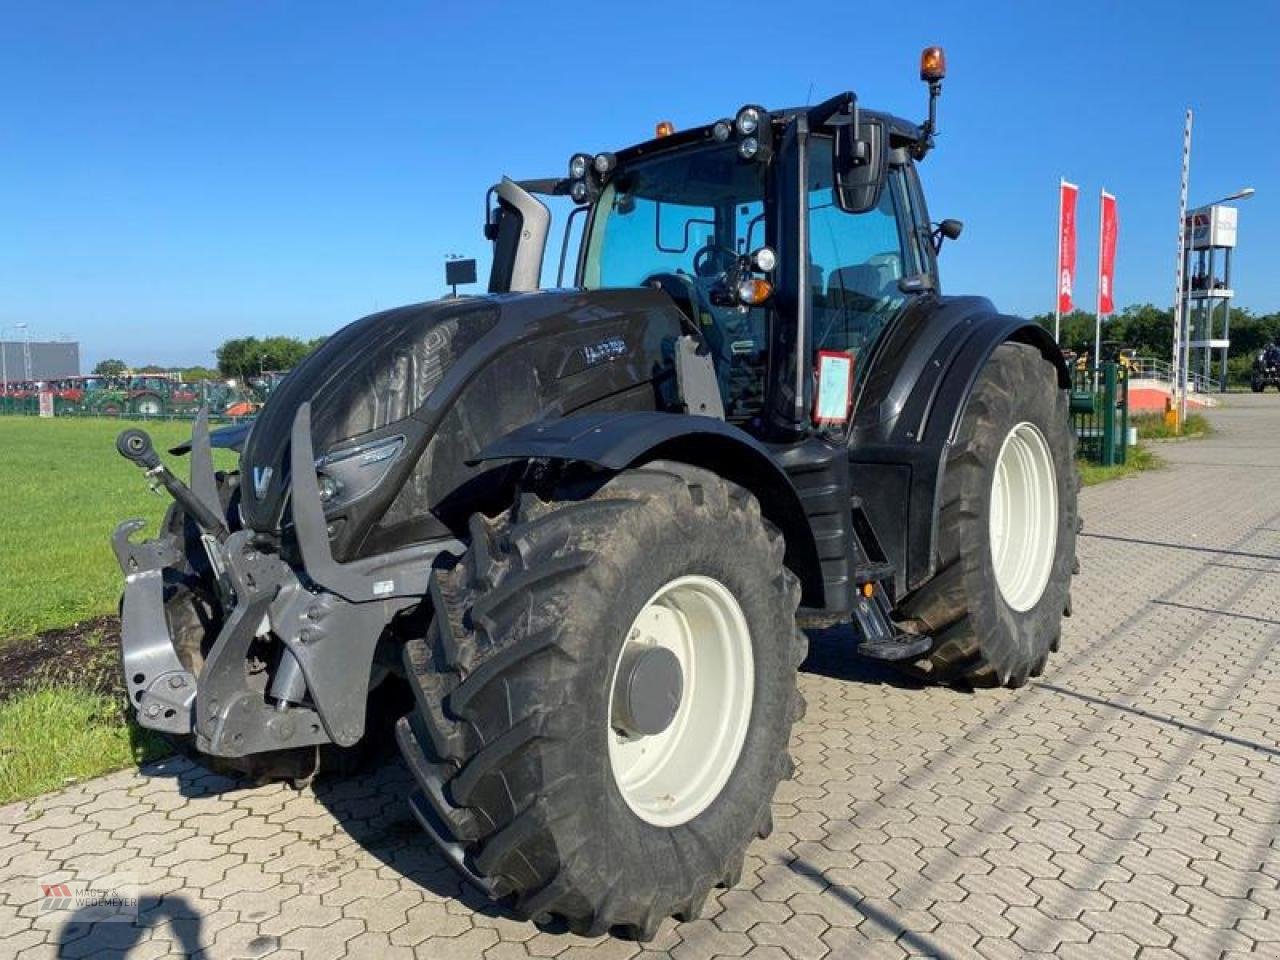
616 441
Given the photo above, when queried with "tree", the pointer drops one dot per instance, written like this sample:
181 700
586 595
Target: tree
1077 330
1146 328
192 374
110 368
245 357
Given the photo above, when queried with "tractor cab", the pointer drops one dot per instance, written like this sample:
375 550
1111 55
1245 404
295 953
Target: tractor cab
783 237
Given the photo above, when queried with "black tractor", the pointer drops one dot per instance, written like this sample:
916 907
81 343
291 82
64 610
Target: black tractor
1266 368
582 524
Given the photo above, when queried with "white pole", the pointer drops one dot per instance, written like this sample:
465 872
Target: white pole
1179 346
1097 301
1057 274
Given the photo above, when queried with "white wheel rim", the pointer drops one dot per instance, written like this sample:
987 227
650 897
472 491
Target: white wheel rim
669 778
1024 516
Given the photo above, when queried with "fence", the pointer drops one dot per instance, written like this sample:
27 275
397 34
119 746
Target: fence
29 406
1100 413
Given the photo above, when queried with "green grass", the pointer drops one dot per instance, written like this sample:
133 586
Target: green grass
64 488
1138 459
1151 426
53 735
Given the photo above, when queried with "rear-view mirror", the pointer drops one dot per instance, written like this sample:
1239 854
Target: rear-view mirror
860 163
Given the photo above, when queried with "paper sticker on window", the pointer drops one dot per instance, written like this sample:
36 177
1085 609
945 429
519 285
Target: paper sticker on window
835 387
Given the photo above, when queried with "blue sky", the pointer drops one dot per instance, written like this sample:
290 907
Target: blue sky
172 174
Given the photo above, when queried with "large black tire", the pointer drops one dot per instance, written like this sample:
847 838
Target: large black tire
980 639
509 738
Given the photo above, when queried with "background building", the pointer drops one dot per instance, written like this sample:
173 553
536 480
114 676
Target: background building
50 359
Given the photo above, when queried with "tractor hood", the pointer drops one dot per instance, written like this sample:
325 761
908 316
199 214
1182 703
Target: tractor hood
401 399
373 373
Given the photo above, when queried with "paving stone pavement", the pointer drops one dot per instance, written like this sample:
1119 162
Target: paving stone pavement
1124 804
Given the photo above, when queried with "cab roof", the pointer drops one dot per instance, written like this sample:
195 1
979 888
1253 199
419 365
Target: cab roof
901 131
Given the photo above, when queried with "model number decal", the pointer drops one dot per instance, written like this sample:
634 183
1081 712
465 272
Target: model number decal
604 351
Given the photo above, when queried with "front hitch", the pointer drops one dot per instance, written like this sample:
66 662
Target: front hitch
161 689
317 619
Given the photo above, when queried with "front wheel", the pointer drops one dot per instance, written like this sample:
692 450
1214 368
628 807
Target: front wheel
1006 529
604 698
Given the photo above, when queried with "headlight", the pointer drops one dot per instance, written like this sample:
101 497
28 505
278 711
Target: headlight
764 259
347 475
748 121
579 191
329 487
604 163
721 130
578 166
748 148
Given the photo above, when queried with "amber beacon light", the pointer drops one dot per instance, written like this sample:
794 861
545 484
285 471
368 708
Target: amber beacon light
933 64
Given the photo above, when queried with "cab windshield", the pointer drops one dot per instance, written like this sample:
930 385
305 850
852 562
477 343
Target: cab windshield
679 221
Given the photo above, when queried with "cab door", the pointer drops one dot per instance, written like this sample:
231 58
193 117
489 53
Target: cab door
857 261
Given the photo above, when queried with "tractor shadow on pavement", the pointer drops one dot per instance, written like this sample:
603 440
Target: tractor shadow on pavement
373 809
831 654
370 806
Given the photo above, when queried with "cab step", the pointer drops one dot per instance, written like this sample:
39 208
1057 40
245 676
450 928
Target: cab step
895 648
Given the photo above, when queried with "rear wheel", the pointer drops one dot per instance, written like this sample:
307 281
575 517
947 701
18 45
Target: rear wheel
1006 530
604 698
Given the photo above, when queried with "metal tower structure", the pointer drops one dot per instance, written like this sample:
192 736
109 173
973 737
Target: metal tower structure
1210 242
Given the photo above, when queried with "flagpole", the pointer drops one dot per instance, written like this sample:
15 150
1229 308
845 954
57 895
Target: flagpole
1179 341
1057 274
1097 313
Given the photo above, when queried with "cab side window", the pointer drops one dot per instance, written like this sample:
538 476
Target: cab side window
855 261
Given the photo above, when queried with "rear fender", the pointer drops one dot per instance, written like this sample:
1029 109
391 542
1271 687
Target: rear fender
616 441
908 412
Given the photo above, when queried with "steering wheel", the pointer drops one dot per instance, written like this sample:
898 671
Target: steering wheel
713 260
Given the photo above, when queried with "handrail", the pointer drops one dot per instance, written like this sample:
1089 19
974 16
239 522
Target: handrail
1150 368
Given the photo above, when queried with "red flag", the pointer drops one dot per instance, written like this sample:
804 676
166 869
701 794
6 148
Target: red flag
1107 256
1066 244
